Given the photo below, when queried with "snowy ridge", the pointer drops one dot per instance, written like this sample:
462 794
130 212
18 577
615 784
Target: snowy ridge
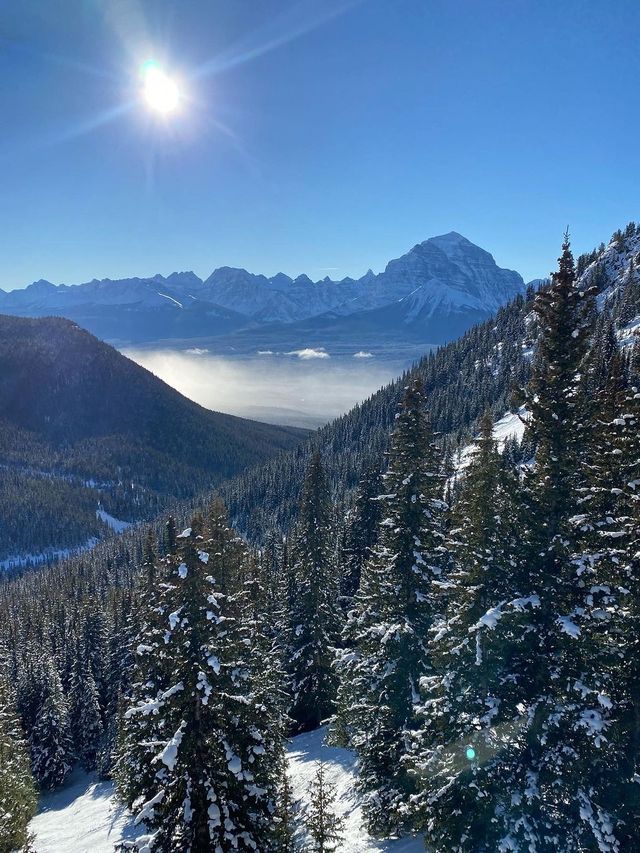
84 816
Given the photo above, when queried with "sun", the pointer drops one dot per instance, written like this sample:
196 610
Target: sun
160 92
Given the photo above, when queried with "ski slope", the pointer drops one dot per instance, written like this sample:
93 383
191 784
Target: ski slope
84 817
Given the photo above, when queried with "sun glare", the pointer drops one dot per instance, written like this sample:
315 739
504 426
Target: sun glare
160 92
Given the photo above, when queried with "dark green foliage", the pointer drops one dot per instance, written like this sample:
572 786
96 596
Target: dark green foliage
397 604
286 816
85 716
315 619
361 532
202 736
324 828
17 789
45 714
469 701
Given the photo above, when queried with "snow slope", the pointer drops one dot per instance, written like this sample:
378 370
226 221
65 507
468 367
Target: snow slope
84 817
340 765
116 524
510 425
81 818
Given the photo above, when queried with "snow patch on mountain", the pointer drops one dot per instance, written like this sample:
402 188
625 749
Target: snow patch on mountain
116 524
511 425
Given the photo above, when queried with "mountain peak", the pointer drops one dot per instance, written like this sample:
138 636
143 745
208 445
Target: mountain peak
449 237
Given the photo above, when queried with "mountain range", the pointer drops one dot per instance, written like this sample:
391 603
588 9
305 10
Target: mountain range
432 293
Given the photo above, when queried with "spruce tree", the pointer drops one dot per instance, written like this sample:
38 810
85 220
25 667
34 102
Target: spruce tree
468 702
44 712
17 790
362 529
399 600
542 782
608 559
84 716
196 759
324 827
286 815
315 618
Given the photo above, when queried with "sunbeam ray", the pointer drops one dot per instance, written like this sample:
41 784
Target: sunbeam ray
294 23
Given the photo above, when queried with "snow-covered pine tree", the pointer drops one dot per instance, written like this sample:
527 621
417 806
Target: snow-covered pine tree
265 719
17 790
630 307
196 723
84 714
468 701
608 561
315 619
123 629
324 827
361 532
150 672
559 777
286 815
540 786
399 599
44 713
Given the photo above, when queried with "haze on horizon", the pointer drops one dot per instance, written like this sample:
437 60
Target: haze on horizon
322 138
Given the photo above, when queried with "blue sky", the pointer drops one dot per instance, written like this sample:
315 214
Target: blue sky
322 137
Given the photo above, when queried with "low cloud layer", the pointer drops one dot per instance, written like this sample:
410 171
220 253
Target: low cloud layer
302 391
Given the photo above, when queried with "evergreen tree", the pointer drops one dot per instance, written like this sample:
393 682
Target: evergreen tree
398 602
630 306
361 533
45 715
197 757
468 702
17 789
85 718
323 826
315 618
286 816
608 560
543 782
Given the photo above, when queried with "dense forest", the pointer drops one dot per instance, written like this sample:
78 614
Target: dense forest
471 634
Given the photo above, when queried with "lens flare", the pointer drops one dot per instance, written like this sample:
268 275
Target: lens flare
160 92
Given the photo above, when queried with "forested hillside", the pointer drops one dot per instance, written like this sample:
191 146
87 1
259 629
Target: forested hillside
81 425
473 638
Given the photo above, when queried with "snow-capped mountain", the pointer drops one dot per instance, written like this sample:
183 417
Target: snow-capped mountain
442 279
443 273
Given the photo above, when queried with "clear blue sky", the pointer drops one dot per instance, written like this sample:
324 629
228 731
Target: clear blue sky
322 137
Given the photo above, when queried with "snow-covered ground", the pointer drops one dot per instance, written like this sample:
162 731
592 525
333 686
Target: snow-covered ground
509 426
116 524
18 561
340 767
83 817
